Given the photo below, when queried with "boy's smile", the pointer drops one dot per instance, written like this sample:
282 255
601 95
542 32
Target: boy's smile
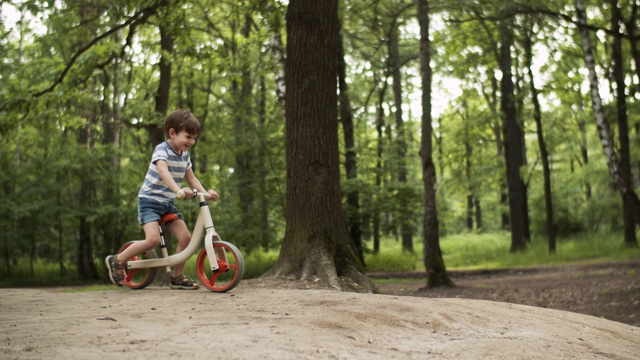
181 141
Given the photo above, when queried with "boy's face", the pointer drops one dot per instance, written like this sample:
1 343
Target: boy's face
181 141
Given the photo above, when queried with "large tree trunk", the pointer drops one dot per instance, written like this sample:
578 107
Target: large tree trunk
544 154
351 160
623 126
513 144
433 261
401 143
316 242
604 131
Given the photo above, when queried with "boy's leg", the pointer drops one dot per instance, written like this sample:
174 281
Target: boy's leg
116 263
151 240
179 229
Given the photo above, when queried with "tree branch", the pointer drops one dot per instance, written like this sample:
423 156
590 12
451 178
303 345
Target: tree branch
138 18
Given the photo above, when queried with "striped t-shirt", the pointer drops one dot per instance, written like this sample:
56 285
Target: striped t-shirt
153 186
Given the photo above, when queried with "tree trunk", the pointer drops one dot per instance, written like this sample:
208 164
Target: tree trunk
623 127
631 25
401 143
498 129
604 131
380 150
84 257
544 155
265 234
433 262
584 153
467 173
513 153
478 209
316 242
350 161
244 138
155 131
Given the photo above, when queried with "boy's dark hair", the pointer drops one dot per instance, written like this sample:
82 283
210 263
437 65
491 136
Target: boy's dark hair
180 120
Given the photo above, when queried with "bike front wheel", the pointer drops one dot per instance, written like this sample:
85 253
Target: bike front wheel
139 278
230 271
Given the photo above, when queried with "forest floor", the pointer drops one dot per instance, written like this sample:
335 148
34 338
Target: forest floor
556 312
610 290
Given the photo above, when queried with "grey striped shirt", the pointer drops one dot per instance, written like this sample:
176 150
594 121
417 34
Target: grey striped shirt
153 186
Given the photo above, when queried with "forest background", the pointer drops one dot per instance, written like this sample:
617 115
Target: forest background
84 86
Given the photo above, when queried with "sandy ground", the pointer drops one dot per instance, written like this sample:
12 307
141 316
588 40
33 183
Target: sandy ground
259 322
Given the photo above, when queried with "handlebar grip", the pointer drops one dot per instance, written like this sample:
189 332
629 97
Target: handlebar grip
181 194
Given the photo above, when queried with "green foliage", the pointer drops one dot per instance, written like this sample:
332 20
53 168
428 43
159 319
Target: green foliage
491 251
259 262
391 261
74 149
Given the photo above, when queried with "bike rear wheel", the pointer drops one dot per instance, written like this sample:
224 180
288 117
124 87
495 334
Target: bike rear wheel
139 278
229 273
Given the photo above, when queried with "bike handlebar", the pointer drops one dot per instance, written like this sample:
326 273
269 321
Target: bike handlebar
181 195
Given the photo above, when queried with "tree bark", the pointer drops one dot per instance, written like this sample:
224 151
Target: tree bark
244 172
84 260
544 154
434 263
584 153
316 243
155 131
513 145
604 131
401 143
379 152
351 160
498 130
623 126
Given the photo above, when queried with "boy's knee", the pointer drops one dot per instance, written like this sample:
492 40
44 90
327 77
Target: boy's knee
185 240
153 241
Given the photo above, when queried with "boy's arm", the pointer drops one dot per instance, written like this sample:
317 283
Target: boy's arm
165 175
193 181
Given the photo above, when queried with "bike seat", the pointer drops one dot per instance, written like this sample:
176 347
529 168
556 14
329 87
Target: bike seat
167 218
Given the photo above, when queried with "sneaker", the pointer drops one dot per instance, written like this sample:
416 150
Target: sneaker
116 271
181 282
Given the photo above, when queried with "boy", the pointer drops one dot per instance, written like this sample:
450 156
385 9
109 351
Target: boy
170 165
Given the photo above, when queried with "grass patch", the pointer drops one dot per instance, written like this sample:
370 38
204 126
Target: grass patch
389 261
462 251
491 251
258 262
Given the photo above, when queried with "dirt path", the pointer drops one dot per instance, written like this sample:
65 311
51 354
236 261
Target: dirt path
258 321
610 291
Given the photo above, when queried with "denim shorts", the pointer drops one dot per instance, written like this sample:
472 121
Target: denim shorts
151 210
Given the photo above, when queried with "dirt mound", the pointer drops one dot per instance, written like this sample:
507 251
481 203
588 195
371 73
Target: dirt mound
256 321
610 290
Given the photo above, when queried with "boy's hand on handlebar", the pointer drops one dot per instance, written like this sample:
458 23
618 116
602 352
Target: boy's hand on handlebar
214 195
185 193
